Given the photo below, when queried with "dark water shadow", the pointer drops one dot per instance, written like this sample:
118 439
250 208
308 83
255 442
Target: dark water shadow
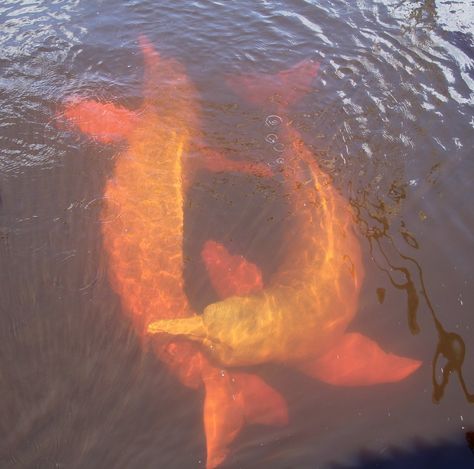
421 454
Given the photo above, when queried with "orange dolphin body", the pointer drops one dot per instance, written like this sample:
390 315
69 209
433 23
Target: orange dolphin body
300 318
143 237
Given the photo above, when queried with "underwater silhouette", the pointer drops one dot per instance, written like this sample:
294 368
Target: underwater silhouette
144 242
300 317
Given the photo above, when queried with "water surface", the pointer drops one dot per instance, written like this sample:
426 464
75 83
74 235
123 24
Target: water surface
390 118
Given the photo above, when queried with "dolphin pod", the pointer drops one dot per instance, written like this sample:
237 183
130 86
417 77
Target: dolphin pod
299 318
143 238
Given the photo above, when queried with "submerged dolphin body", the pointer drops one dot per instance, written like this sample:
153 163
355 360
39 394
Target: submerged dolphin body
300 318
143 237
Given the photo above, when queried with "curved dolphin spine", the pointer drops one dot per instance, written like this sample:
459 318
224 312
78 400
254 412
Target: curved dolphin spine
301 316
143 203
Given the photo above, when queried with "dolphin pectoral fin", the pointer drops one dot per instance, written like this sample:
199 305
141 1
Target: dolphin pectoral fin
193 327
233 400
104 121
230 274
357 360
215 162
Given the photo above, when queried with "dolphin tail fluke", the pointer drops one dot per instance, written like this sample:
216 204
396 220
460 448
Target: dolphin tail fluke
106 122
357 360
223 418
261 404
284 88
233 400
230 274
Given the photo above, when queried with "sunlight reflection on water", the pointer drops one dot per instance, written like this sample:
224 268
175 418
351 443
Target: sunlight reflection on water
389 118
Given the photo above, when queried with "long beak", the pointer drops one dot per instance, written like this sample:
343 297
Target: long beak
193 327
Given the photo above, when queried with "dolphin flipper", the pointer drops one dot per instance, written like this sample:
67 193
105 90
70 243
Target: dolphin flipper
285 87
106 122
356 360
216 162
230 274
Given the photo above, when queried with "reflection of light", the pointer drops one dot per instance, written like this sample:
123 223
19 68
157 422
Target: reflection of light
450 18
36 40
306 22
456 17
27 26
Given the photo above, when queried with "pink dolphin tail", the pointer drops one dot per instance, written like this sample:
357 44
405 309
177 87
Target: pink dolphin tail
233 400
357 360
284 88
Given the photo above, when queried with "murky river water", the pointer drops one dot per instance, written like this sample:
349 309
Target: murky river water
389 118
